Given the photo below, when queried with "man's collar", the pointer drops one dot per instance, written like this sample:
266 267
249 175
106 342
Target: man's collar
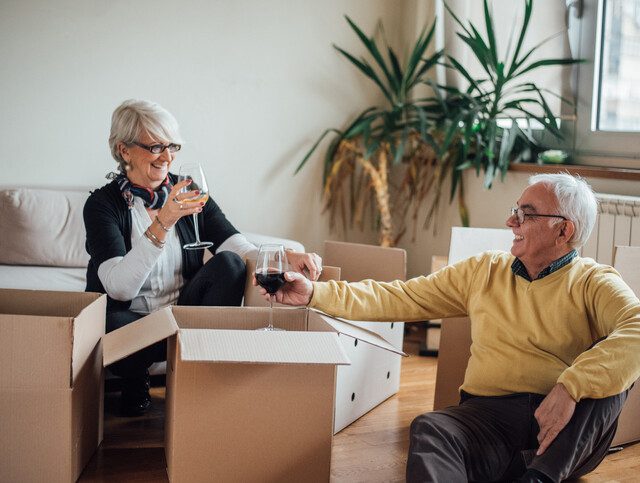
518 268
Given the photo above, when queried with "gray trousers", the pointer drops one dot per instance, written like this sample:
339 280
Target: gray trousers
495 439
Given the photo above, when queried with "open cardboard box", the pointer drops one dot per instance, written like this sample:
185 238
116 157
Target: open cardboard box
242 404
51 383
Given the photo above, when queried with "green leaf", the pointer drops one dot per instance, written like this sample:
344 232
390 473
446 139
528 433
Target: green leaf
506 146
397 70
367 70
547 62
315 145
457 20
493 49
371 46
417 53
401 147
371 149
453 129
427 64
463 71
531 51
456 175
528 8
361 122
328 158
480 50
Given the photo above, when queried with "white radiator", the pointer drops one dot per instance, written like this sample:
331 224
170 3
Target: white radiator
618 224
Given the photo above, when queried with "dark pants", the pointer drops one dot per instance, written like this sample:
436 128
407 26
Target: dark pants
220 282
495 438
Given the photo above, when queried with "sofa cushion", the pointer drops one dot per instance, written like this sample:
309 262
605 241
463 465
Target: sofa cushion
42 227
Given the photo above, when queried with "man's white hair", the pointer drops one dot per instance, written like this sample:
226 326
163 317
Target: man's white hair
576 202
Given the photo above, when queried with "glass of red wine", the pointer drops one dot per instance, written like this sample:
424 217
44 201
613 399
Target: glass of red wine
270 268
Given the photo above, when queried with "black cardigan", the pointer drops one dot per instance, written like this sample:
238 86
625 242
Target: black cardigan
107 220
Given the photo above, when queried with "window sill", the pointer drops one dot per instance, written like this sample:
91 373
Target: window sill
584 171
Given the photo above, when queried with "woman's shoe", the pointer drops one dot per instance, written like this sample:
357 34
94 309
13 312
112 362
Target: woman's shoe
135 398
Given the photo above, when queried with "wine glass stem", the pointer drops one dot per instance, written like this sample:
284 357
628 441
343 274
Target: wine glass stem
270 311
195 227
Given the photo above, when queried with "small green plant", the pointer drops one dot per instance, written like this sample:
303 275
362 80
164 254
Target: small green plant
472 136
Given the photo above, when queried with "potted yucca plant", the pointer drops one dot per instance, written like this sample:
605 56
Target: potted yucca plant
398 133
421 141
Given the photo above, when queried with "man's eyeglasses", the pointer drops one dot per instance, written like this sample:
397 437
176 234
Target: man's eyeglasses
159 148
521 215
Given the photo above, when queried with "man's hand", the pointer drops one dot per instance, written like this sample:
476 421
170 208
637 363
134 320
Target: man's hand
553 414
297 291
309 261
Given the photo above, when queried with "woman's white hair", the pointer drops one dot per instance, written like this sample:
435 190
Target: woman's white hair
133 117
576 202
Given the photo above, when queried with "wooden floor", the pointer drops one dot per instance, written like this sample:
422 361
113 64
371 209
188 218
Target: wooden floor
373 449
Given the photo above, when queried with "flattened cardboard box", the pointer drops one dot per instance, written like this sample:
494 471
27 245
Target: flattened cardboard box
242 404
51 383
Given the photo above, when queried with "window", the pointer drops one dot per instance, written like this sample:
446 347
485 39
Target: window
607 34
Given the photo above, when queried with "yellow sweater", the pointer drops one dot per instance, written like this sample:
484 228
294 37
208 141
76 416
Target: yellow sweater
526 336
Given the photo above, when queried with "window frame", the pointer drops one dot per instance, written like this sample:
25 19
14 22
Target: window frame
603 148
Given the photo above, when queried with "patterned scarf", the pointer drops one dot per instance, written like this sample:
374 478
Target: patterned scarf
152 199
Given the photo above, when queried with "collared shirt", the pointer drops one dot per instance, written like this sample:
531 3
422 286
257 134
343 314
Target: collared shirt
518 268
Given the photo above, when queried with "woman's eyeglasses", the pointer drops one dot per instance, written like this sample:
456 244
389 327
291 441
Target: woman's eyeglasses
159 148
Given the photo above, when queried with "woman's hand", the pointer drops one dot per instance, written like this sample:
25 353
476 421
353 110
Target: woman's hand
297 291
177 205
309 261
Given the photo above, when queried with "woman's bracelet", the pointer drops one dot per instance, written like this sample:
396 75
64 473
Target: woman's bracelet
154 239
166 230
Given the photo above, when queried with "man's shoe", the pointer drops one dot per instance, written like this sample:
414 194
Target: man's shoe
534 476
135 398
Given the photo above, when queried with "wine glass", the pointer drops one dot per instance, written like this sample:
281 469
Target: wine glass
270 268
193 171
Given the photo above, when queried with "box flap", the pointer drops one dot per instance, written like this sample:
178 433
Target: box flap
261 347
138 335
45 302
347 328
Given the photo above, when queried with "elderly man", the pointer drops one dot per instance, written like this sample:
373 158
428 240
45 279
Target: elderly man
556 345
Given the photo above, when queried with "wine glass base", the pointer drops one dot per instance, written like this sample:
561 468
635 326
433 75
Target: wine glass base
197 246
270 329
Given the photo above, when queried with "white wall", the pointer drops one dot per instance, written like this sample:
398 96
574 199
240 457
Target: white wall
252 82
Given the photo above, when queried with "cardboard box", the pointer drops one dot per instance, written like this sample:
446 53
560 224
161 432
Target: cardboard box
374 374
627 263
242 404
51 389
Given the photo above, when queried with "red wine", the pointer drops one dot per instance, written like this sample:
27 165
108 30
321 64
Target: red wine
271 282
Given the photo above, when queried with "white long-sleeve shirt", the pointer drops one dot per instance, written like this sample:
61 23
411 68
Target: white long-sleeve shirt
149 276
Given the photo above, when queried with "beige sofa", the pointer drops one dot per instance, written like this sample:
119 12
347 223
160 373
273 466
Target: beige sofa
42 239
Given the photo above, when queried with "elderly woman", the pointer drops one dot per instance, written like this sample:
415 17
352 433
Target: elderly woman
136 226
